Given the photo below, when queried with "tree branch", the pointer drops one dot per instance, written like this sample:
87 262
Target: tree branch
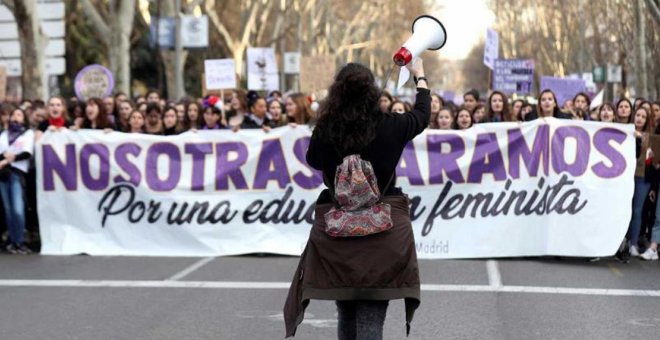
9 4
100 25
655 11
249 24
209 7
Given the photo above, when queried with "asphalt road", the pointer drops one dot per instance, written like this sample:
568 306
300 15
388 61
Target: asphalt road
83 297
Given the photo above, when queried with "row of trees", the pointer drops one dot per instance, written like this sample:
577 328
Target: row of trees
116 33
574 36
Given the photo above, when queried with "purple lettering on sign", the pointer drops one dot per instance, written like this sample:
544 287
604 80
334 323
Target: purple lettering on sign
121 157
103 153
198 153
447 162
602 140
487 158
411 168
302 180
581 136
271 165
226 169
67 171
519 149
172 152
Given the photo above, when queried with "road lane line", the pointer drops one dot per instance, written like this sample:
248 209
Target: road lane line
285 285
190 269
494 277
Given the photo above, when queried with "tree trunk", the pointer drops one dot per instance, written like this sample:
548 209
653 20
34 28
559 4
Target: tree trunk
120 48
33 44
642 88
169 61
115 34
168 9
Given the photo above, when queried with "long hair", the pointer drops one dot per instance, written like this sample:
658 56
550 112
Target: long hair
190 124
648 125
101 120
632 110
304 112
556 111
349 115
504 115
600 111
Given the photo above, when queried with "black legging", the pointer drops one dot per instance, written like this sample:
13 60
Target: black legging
361 319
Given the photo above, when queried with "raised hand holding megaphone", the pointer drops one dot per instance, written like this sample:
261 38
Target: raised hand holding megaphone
428 34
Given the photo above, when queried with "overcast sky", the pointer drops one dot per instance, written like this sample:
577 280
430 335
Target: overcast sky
466 22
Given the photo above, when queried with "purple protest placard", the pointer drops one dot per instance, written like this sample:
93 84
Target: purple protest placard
513 75
564 89
94 81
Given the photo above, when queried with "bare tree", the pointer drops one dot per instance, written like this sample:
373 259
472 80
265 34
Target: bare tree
114 30
238 42
32 42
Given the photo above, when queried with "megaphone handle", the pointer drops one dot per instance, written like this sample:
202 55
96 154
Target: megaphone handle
389 74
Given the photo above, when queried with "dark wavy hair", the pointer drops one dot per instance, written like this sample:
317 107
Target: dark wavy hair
349 114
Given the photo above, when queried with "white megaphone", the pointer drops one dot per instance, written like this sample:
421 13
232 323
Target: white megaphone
428 34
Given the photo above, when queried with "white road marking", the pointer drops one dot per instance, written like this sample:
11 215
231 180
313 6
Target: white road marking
494 277
190 269
285 285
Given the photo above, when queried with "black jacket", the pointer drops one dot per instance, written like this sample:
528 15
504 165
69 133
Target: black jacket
394 131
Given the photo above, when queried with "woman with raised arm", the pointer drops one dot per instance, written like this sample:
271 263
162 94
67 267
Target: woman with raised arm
350 126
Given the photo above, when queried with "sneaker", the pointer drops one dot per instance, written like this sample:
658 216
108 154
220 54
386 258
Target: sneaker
18 249
650 255
633 251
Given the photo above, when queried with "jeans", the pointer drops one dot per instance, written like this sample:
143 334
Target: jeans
641 191
655 232
13 200
361 319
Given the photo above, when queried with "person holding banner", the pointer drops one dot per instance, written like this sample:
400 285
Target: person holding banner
360 273
298 109
581 101
471 100
498 108
171 124
56 117
276 113
548 107
516 107
606 113
16 149
193 118
463 119
478 114
642 123
655 107
623 111
136 122
257 117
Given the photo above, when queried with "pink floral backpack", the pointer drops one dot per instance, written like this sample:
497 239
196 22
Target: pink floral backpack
358 209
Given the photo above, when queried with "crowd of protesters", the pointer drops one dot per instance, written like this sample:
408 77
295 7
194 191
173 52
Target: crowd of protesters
24 123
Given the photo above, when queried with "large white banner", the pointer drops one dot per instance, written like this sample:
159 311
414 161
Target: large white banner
497 190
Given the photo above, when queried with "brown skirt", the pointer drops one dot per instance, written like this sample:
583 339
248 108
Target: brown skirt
376 267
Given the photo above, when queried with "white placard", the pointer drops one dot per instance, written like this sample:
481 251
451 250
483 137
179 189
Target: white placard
262 69
614 73
496 190
220 74
491 49
195 31
292 63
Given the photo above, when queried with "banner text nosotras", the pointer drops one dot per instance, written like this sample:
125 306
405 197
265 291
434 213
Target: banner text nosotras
229 158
